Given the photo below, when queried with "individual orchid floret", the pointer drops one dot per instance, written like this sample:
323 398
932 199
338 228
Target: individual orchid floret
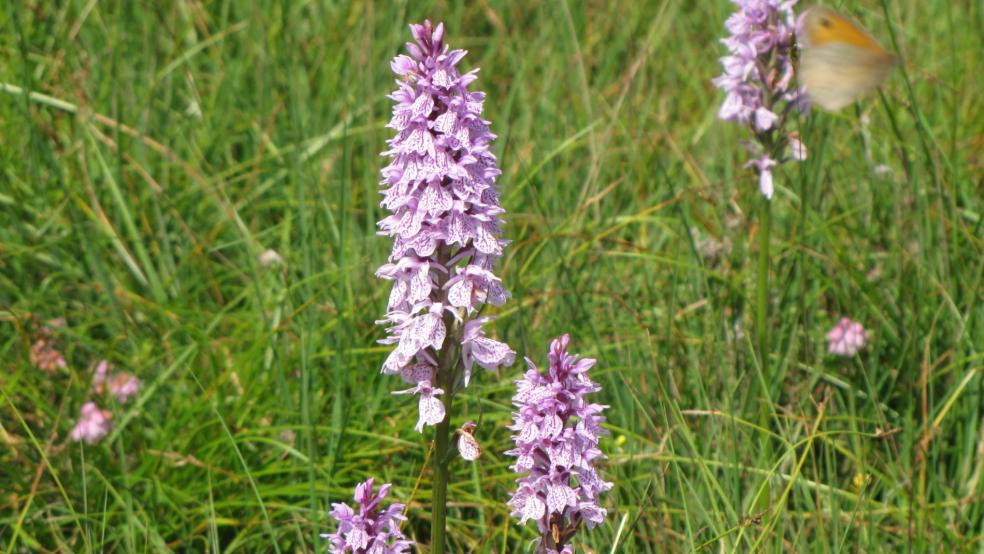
370 530
763 166
445 221
556 431
758 79
468 445
430 407
474 286
846 338
94 423
476 347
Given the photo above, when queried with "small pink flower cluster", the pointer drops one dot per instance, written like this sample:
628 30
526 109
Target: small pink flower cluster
95 423
122 385
44 355
846 338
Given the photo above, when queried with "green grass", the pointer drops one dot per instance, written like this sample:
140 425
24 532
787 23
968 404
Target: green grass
140 222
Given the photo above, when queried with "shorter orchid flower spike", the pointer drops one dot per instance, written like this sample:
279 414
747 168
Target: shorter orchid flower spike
371 529
556 430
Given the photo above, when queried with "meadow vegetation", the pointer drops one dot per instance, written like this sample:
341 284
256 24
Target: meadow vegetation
153 151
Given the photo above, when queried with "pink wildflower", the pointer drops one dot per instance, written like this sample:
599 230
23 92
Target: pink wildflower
122 385
846 338
44 355
100 376
93 424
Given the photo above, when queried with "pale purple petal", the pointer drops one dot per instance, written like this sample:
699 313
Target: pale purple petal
430 407
431 411
533 508
765 119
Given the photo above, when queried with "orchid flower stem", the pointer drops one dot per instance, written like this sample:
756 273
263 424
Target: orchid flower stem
442 452
762 289
439 496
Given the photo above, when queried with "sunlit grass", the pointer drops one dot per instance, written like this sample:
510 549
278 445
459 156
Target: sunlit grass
167 145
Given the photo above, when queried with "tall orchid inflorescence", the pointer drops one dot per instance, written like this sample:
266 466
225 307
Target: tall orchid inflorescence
445 224
758 77
371 530
556 433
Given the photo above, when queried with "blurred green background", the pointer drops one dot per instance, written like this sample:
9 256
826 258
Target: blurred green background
166 145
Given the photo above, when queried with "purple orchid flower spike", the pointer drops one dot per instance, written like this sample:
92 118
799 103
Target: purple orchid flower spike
556 431
371 529
445 222
758 78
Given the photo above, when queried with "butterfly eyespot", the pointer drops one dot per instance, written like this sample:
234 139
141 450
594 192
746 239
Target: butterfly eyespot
824 22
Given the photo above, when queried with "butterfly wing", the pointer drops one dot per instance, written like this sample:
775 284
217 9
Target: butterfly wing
836 75
840 60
